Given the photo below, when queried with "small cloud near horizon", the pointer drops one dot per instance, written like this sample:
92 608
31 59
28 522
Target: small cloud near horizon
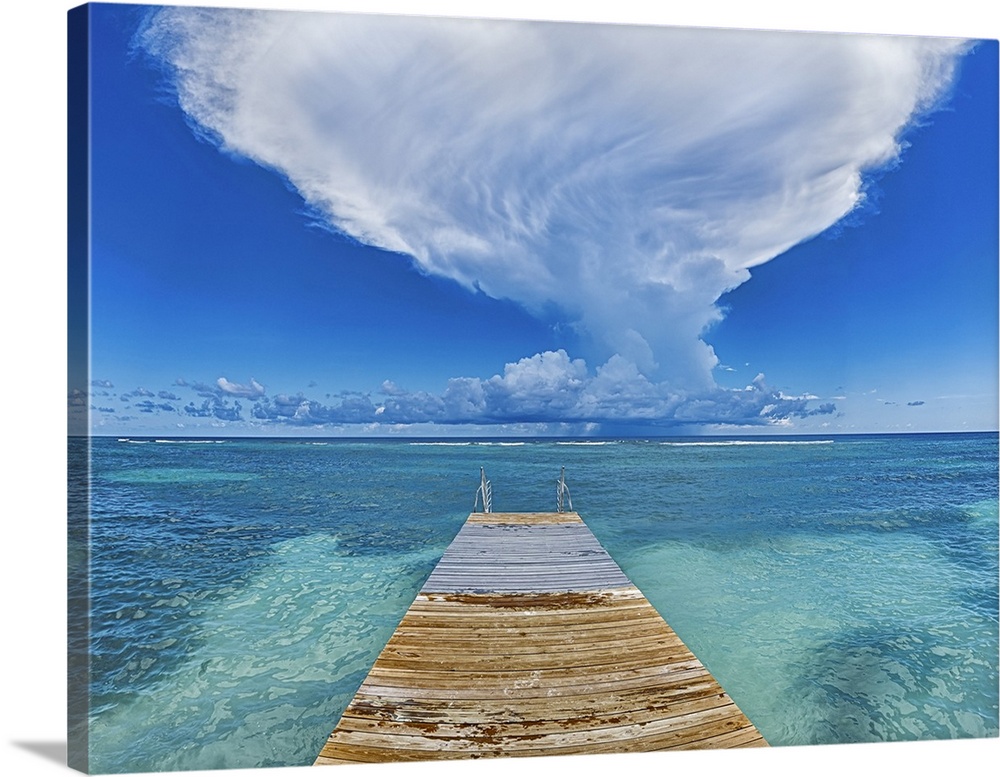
251 391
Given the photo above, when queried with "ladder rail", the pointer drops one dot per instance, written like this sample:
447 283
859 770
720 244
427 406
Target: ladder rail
485 491
563 498
484 494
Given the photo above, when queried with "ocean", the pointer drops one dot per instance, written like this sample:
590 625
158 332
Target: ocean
841 589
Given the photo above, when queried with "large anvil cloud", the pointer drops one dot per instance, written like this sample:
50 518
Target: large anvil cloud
629 176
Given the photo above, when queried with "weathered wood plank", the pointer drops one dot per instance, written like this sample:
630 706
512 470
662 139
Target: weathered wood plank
664 732
527 697
649 677
642 711
594 659
607 726
686 676
516 638
533 519
533 702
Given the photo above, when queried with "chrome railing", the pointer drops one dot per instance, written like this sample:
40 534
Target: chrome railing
562 493
484 494
485 491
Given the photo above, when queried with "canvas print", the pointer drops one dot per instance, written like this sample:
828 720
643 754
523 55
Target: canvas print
464 388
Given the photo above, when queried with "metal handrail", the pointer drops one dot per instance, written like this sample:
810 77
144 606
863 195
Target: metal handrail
562 492
486 490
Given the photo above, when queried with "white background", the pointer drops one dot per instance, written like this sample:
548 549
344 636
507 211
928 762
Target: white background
33 385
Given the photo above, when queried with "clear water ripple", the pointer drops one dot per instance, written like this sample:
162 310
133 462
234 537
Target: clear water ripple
841 590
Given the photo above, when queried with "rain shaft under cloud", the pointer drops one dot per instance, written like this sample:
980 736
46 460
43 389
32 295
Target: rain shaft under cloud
627 176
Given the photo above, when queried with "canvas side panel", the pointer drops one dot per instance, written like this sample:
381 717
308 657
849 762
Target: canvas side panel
78 440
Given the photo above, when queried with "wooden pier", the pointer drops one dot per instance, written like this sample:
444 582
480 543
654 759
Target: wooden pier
526 640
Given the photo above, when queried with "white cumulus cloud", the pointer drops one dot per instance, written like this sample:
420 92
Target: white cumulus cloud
630 175
252 391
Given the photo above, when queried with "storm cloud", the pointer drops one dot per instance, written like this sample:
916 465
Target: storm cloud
627 175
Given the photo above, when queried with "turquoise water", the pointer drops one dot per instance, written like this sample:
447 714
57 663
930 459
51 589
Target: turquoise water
841 589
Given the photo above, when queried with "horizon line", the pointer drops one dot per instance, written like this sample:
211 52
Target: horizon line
520 437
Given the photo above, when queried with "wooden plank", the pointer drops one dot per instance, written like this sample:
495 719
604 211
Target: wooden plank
454 638
533 519
515 648
536 701
606 725
528 639
525 694
531 704
584 655
650 677
662 732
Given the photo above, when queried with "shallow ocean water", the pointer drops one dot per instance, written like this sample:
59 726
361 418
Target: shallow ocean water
841 589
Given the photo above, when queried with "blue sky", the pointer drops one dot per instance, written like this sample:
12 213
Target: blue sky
378 226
